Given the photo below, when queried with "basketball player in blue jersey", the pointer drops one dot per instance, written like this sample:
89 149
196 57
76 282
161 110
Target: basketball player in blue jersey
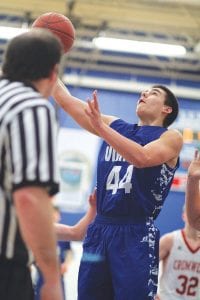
136 166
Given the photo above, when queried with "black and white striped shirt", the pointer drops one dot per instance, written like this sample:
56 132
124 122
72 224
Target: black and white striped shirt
27 156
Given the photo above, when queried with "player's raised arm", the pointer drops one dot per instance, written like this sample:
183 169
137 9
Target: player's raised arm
162 150
77 232
76 107
193 192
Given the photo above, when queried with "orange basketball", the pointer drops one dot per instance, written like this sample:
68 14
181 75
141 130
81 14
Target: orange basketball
60 25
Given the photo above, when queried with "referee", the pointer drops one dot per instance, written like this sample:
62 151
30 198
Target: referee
28 170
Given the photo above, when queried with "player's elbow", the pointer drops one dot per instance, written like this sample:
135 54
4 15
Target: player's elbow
76 234
143 161
140 165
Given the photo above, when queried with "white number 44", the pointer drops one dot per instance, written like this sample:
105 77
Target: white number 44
114 183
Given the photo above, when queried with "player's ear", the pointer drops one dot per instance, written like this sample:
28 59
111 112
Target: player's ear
167 109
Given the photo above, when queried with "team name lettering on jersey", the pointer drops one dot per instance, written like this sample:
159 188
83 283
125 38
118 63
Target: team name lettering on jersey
112 155
186 265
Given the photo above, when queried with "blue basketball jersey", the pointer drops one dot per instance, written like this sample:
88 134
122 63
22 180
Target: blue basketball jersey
123 189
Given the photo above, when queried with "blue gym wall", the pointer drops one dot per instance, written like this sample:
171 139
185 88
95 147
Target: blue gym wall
123 105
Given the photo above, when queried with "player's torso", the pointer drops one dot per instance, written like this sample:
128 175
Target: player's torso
122 188
181 276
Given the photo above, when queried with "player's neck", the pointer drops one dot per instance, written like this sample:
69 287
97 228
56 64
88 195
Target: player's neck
150 123
192 234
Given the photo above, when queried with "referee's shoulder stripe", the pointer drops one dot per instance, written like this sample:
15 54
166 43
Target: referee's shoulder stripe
14 96
26 105
3 83
6 86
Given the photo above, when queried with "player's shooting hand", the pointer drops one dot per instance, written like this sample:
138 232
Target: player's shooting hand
93 112
194 168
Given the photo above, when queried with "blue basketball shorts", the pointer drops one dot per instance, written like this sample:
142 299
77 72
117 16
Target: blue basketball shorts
119 261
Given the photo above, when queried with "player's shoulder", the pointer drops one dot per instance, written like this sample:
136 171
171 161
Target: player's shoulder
170 236
167 236
173 132
173 135
110 119
166 241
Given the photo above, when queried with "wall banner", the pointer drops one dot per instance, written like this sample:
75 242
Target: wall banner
77 155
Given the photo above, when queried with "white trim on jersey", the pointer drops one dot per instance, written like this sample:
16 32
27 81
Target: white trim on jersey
28 121
43 165
16 150
2 215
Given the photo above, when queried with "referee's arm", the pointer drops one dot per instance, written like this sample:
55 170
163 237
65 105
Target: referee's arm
34 210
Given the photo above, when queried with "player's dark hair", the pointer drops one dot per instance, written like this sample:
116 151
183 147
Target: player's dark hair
31 55
171 101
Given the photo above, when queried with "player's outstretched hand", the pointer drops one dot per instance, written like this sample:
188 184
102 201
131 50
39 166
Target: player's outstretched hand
194 168
93 112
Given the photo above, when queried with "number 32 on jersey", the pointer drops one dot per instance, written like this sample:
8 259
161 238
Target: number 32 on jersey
114 182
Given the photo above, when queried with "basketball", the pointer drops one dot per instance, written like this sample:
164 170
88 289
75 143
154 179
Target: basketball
58 24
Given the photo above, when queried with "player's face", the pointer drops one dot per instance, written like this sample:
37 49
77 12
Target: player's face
151 103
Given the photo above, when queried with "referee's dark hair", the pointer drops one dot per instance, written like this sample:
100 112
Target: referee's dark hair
32 55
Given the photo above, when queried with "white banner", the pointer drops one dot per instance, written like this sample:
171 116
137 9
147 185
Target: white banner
77 155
